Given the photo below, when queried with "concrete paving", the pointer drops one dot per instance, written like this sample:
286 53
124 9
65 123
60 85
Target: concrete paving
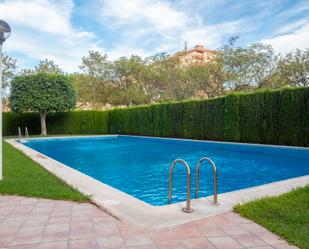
27 223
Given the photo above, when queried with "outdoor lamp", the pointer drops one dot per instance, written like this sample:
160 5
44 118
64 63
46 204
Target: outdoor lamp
5 32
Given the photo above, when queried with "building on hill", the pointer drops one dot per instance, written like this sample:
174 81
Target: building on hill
199 54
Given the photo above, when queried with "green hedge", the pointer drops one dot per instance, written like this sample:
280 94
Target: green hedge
11 121
269 116
272 117
78 122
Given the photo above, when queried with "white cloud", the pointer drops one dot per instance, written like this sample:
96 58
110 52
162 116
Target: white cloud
160 15
288 42
291 27
37 15
210 36
159 25
42 29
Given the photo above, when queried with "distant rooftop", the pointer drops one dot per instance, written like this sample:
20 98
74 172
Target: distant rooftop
197 54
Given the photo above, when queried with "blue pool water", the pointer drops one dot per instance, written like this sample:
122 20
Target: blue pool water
139 166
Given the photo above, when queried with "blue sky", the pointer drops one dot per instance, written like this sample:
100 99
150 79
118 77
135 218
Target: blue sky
65 30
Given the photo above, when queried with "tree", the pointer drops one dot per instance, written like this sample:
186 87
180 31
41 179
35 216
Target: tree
44 66
92 85
152 76
262 63
9 71
42 93
177 85
294 68
47 66
207 78
248 68
125 81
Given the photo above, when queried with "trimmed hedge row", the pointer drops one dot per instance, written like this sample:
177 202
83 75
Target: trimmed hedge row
11 121
272 117
77 122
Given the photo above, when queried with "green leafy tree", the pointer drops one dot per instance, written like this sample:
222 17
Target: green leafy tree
247 68
294 68
92 84
126 87
152 78
9 71
48 66
178 86
207 79
44 66
42 93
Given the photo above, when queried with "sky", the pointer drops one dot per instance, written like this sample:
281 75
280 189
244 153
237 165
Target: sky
65 30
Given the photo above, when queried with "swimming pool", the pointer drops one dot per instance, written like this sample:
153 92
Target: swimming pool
139 166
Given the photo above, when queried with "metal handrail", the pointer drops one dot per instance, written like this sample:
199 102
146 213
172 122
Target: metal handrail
19 134
215 177
26 133
187 209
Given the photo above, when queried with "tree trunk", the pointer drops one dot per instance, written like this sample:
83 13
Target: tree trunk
43 123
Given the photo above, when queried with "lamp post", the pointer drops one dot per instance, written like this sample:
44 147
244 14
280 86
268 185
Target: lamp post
5 32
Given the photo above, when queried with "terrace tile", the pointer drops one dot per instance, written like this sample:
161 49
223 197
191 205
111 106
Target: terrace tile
111 242
49 224
249 240
225 243
82 244
198 244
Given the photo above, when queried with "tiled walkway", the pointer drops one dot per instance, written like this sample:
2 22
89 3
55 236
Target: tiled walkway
38 223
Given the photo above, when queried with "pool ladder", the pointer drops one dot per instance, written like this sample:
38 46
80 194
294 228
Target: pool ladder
20 138
214 169
188 208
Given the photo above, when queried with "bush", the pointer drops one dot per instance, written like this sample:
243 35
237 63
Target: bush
268 116
11 121
271 117
77 122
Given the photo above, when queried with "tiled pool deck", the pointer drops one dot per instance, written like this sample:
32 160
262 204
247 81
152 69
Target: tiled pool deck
27 223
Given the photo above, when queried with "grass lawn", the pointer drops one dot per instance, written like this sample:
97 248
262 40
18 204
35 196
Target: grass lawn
22 176
286 215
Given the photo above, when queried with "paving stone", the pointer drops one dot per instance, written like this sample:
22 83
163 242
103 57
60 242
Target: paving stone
233 230
163 235
284 246
28 231
249 240
23 240
53 245
47 224
171 245
269 238
83 244
110 242
211 231
225 242
138 240
198 244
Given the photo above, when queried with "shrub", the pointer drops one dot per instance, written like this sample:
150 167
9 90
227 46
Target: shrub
271 117
268 116
77 122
